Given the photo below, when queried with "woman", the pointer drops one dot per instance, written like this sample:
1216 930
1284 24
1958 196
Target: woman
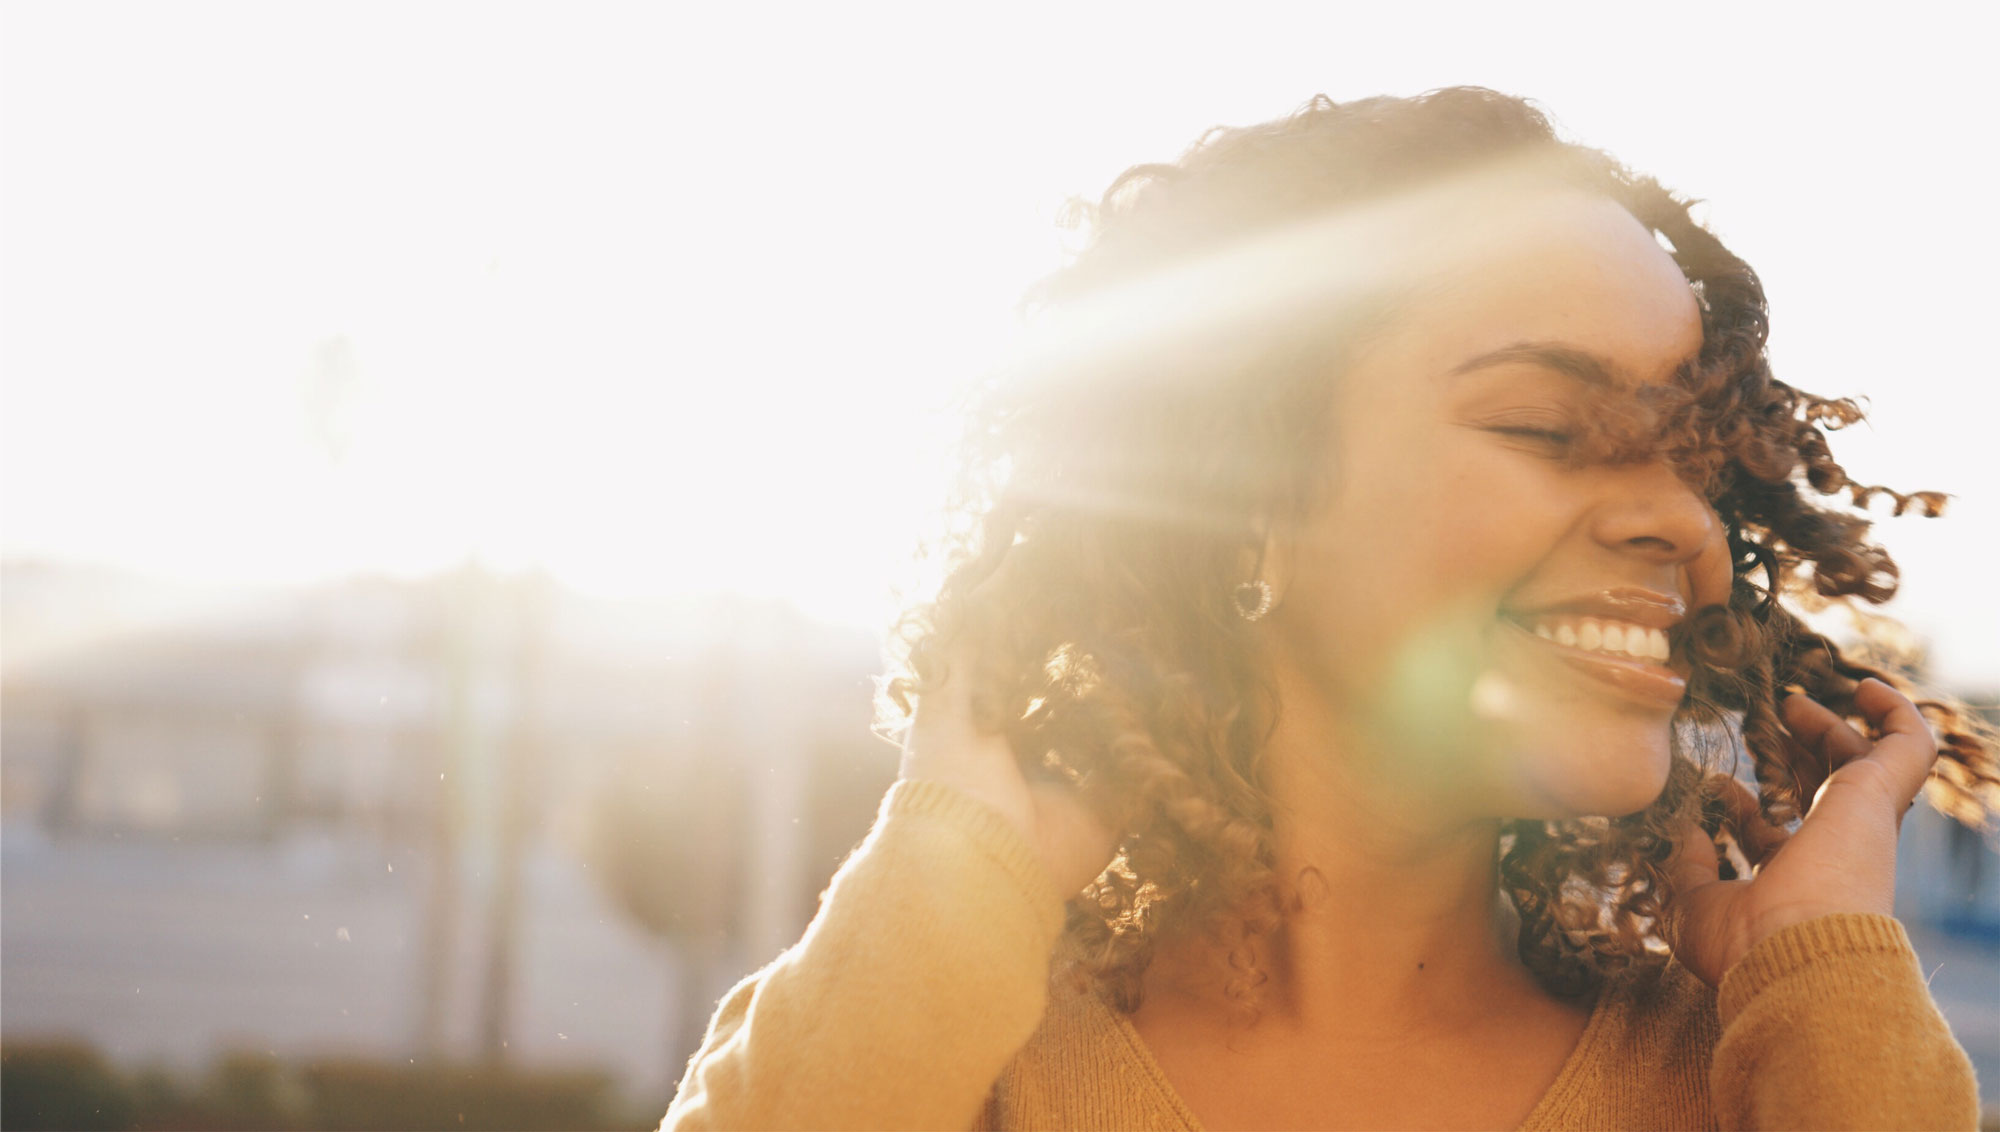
1329 719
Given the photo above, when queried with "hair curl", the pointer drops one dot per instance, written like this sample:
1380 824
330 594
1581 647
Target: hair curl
1121 487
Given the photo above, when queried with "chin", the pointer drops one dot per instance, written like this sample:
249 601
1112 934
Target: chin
1613 801
1563 778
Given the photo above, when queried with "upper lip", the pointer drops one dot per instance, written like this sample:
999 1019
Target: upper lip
1632 604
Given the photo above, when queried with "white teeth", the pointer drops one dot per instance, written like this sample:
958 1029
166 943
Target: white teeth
1600 635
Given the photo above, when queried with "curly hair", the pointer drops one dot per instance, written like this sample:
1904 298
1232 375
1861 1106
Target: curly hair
1121 484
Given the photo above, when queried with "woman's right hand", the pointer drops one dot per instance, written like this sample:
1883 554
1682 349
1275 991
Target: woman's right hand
944 746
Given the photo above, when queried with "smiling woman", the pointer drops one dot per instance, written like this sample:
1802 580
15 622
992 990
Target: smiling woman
1376 569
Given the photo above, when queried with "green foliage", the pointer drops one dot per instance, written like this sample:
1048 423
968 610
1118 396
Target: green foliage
370 1095
69 1085
62 1085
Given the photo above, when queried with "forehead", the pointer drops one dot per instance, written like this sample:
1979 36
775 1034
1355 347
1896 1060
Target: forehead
1548 266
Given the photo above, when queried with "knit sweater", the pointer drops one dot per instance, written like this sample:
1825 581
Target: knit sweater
920 997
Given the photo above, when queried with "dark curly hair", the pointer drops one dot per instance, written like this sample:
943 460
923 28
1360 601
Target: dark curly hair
1120 485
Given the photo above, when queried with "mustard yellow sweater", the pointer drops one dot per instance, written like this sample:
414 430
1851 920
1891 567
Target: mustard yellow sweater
920 997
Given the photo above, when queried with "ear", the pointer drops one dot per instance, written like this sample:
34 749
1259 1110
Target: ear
1269 558
1280 561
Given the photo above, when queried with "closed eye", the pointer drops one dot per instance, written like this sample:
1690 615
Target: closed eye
1550 436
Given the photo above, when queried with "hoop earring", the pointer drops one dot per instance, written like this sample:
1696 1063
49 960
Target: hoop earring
1258 592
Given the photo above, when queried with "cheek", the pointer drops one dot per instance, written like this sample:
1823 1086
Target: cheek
1428 556
1401 630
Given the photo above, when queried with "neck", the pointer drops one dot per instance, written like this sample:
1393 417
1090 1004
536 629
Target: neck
1396 923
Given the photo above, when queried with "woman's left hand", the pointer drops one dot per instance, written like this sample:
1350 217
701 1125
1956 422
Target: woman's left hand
1842 858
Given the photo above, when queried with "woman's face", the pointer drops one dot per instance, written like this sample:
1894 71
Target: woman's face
1485 617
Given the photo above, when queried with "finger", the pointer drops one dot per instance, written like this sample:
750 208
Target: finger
1757 837
1907 749
945 718
978 634
1822 731
1824 743
980 629
946 704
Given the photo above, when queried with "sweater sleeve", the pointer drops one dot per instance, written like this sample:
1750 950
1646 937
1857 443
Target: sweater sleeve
923 973
1830 1024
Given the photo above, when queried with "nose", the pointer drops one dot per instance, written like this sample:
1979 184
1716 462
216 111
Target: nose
1649 511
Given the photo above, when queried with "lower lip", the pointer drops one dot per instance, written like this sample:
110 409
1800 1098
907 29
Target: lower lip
1633 679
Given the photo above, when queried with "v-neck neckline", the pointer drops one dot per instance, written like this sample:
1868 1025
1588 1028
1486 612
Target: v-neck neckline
1565 1084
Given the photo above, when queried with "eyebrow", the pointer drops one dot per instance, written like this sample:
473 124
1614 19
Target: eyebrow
1571 361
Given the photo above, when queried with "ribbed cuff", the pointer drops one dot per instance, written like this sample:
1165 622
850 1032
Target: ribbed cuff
990 833
1803 948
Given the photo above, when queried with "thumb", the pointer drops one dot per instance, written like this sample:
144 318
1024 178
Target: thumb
1695 863
1693 924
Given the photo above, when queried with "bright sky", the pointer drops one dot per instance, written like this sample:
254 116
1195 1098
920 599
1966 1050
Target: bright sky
667 299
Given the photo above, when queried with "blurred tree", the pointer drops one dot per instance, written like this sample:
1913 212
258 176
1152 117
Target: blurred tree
70 1085
251 1091
61 1085
366 1094
850 769
672 826
667 840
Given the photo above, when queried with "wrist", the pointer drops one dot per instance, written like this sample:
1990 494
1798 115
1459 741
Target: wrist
1775 921
1801 950
989 830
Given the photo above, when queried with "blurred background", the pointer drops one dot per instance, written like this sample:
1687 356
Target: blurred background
459 462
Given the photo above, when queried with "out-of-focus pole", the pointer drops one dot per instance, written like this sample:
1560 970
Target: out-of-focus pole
454 748
518 775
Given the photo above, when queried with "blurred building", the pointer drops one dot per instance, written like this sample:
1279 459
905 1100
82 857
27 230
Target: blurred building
402 818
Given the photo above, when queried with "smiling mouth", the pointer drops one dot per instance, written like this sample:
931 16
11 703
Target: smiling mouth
1626 659
1601 635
